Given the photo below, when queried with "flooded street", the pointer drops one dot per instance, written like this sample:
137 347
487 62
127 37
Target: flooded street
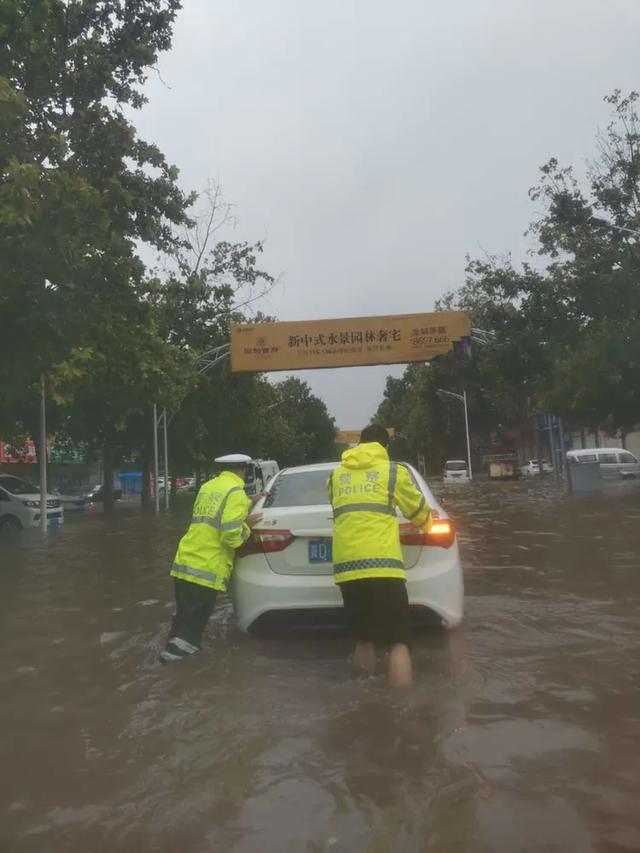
522 732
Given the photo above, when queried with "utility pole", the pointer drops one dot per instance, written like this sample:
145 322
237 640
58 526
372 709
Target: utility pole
561 437
43 456
166 460
156 490
552 452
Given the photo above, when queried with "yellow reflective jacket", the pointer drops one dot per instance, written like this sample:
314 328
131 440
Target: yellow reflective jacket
218 526
364 492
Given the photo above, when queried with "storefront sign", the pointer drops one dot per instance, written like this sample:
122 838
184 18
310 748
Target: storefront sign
349 342
12 454
57 454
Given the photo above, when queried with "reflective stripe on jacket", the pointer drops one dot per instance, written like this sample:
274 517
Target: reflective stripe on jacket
206 552
364 492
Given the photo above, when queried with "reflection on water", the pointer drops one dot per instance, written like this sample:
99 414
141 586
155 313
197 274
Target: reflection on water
521 732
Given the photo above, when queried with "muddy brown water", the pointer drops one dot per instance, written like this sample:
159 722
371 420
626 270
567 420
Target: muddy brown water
522 732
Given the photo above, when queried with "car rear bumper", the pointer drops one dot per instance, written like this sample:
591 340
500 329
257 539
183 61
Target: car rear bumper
258 591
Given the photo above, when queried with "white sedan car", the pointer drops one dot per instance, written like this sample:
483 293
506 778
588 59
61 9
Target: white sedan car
284 573
533 467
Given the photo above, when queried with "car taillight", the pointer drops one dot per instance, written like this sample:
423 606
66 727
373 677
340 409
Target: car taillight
441 534
266 542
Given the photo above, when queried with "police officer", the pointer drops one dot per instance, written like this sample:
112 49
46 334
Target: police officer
204 560
364 492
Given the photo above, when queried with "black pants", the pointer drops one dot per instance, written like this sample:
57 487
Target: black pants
378 610
194 606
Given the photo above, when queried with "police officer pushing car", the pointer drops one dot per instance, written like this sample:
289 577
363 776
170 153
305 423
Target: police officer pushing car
364 492
220 524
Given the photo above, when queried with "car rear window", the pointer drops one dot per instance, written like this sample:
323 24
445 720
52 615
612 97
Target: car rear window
456 466
303 488
625 456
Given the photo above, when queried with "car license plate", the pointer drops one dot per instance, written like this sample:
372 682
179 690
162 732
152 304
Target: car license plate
320 551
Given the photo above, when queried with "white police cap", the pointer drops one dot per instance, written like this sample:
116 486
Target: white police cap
233 459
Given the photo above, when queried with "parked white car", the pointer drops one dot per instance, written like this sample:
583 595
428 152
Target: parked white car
533 467
285 570
20 505
455 469
614 462
73 500
188 485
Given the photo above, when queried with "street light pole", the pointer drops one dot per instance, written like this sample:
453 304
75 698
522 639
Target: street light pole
596 220
462 398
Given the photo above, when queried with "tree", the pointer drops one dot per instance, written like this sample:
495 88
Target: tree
594 276
78 188
563 338
308 431
210 281
209 284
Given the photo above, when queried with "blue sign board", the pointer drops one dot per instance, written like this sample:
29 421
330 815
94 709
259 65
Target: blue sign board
543 421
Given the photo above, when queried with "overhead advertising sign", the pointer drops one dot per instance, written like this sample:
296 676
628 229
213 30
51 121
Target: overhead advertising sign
352 436
346 342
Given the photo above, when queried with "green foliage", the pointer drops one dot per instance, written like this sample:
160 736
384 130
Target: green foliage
593 277
229 413
564 339
303 431
78 190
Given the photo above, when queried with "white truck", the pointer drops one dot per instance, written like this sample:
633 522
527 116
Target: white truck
259 473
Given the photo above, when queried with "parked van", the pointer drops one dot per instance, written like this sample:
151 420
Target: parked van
259 473
455 469
614 462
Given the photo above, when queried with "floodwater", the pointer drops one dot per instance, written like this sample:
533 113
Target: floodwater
522 732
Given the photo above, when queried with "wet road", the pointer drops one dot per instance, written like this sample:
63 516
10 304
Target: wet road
521 734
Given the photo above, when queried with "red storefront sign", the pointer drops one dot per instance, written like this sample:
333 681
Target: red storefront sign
10 454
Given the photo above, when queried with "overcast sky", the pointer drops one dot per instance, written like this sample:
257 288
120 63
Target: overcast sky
374 144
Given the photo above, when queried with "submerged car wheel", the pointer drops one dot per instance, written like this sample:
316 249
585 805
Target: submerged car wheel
10 524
